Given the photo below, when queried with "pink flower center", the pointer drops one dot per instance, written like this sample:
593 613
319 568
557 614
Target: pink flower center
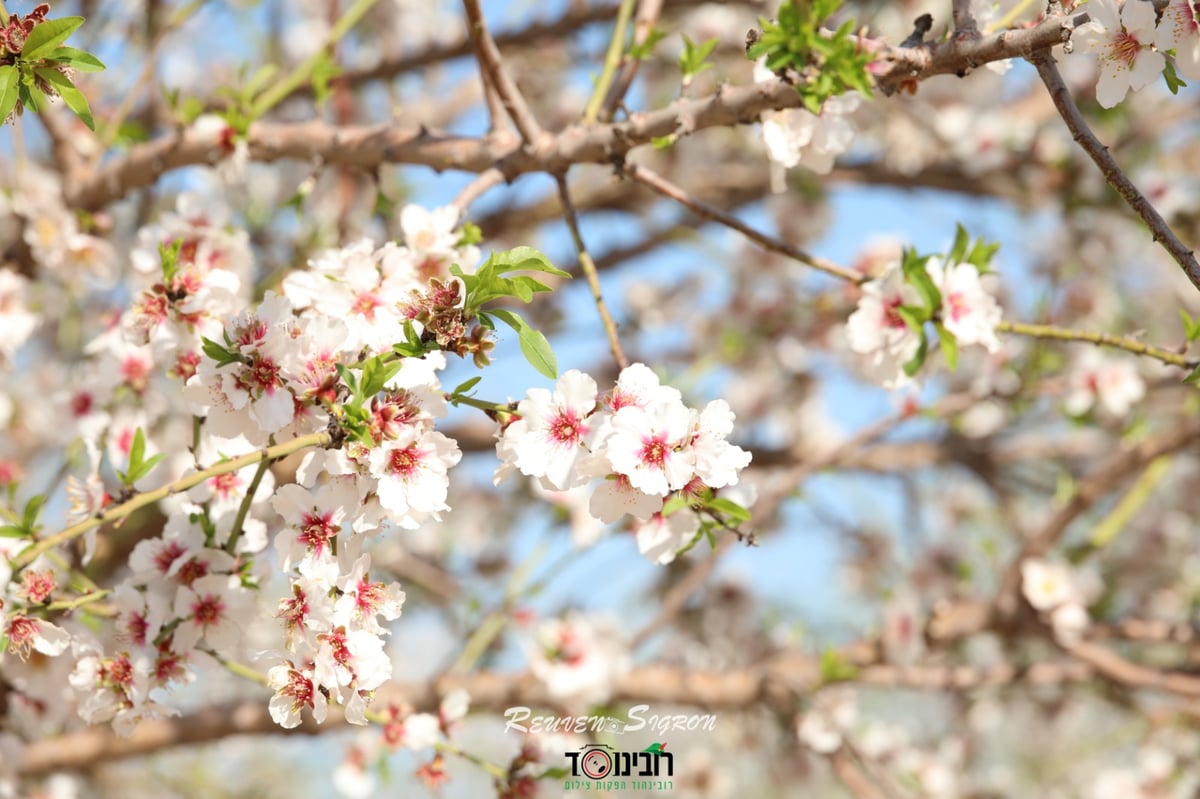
369 596
405 462
1125 47
38 586
136 627
81 404
192 571
891 313
21 632
654 451
365 304
337 646
223 485
316 531
167 555
957 305
117 671
299 688
565 428
207 610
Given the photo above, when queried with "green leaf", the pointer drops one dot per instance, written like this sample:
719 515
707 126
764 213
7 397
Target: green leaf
537 351
143 468
9 90
46 37
78 60
13 531
74 98
918 360
835 667
534 345
32 509
692 59
137 449
32 97
642 50
471 234
1194 377
1191 327
959 249
467 385
525 259
913 316
949 346
729 509
218 353
1174 82
375 374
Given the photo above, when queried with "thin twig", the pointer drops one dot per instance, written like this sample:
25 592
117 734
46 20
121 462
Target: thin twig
244 509
589 270
643 25
497 75
30 554
1160 230
612 60
681 196
1110 474
477 188
1100 340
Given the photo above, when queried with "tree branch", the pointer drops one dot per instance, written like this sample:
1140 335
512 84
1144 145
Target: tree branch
1160 230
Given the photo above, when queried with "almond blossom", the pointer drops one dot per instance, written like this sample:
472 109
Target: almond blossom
553 431
798 137
968 311
578 657
1179 30
1123 38
876 328
1111 383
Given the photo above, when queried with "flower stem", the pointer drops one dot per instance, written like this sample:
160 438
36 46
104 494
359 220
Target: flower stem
244 508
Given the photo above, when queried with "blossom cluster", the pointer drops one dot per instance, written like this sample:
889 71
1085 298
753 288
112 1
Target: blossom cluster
640 441
345 353
1131 41
883 328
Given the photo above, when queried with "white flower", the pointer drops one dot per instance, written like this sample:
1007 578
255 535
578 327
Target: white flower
27 634
968 312
294 691
213 608
876 328
1047 585
579 658
553 431
649 446
660 538
16 323
411 470
796 136
421 731
1179 31
454 705
1098 379
833 712
1069 622
717 461
1122 39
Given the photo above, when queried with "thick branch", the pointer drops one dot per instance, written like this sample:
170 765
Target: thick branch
1159 229
775 684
